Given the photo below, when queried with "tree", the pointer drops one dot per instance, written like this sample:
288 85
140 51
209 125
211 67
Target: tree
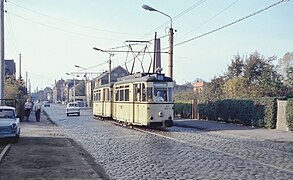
285 63
289 80
14 89
236 67
236 88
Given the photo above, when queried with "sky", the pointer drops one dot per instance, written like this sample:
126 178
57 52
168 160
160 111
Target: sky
55 35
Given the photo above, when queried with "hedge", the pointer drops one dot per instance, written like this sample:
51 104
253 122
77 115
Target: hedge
289 113
254 112
183 109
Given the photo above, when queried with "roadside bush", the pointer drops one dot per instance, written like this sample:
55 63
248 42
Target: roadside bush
289 113
183 109
258 112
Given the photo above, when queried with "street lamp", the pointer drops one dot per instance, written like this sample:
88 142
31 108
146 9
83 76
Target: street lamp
73 85
85 89
110 61
171 38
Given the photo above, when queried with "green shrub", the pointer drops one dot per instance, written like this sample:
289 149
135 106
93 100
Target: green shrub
259 112
184 109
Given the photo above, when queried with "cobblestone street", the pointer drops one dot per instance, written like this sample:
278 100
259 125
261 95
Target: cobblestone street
179 153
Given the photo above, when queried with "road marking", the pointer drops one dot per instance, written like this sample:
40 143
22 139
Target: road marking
4 151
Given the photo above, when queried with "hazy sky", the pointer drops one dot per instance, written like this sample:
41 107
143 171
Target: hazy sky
55 35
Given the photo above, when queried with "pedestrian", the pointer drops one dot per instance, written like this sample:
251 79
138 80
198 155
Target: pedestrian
28 106
38 108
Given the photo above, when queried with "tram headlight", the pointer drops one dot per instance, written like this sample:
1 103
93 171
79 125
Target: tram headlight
160 114
151 118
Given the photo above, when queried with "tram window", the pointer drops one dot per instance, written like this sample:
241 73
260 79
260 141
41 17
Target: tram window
116 95
143 92
121 95
170 93
98 95
160 95
107 95
150 93
126 94
136 92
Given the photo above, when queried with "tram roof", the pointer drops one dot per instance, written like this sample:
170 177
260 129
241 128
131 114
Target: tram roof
144 77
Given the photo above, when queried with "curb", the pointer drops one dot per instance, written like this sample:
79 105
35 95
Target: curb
4 151
49 119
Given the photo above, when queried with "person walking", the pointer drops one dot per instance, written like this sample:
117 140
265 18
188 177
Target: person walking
28 106
38 108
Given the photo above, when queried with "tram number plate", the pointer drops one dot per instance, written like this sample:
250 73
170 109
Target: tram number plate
167 108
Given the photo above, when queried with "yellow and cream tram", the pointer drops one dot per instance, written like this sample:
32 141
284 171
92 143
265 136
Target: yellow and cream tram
140 99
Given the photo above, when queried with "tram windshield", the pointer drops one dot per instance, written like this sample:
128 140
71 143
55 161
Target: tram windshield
161 93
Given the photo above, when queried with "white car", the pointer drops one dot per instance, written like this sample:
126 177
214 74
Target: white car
9 123
72 108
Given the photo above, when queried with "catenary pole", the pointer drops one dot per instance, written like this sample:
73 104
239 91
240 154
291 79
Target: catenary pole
2 62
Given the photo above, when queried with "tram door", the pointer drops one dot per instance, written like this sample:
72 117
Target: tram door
136 102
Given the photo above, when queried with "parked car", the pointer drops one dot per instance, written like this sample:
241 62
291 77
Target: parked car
9 123
46 104
72 108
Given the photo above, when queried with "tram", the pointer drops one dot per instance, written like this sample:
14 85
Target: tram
143 99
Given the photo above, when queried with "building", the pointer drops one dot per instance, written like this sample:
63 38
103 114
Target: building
48 94
10 67
199 86
75 90
116 73
59 91
102 79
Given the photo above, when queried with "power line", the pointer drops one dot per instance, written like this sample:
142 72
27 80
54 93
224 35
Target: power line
10 29
60 29
198 3
213 17
230 24
119 47
68 22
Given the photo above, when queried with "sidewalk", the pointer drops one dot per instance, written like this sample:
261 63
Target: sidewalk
44 152
236 129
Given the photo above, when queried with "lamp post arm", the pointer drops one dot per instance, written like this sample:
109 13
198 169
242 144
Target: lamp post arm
167 16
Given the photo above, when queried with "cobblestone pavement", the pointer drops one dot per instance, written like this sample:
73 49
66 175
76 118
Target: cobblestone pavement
44 152
179 153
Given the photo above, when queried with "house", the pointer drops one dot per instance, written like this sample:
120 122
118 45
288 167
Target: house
58 91
116 73
198 86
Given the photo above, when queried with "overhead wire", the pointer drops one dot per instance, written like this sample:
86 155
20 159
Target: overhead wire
230 24
11 32
213 17
66 21
198 3
59 29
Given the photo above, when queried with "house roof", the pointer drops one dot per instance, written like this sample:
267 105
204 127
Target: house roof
106 73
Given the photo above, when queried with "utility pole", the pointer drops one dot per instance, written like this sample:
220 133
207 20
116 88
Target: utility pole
20 66
110 61
26 74
171 41
2 61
